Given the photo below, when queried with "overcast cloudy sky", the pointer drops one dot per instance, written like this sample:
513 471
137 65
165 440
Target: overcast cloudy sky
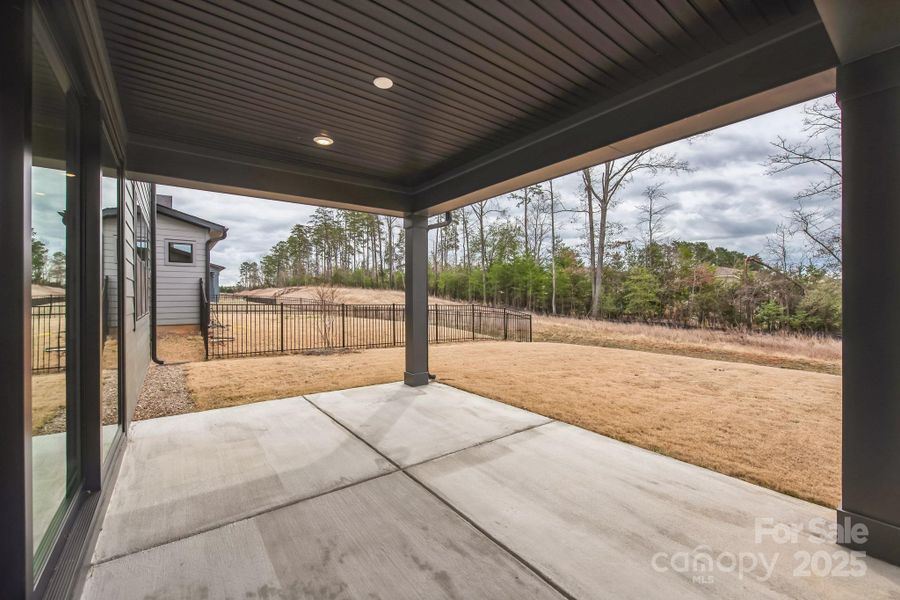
727 200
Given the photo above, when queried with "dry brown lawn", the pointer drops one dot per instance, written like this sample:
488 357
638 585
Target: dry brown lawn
48 400
775 427
180 347
792 351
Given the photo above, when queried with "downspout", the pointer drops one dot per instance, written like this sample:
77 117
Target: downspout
153 335
209 244
448 219
206 280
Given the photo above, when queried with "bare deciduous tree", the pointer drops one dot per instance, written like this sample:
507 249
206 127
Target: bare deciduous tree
777 246
328 297
822 228
552 249
481 210
821 149
653 211
614 176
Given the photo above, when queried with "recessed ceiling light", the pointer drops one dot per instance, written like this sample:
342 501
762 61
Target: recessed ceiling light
323 140
383 83
70 174
39 193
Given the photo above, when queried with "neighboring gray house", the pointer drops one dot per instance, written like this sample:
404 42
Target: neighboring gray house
213 288
183 244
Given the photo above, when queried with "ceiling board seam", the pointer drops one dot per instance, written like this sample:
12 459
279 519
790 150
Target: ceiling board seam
382 130
361 150
394 108
511 47
358 57
524 84
409 52
516 8
230 38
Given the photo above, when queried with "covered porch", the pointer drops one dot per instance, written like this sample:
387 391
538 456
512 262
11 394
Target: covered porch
413 490
391 491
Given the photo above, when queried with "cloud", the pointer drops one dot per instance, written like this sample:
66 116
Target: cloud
254 224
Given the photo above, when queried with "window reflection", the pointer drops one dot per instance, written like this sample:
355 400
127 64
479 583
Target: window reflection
54 442
110 298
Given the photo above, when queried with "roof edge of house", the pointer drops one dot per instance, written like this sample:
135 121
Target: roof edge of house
181 216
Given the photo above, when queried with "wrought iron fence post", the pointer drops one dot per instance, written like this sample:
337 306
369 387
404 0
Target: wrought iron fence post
343 326
505 327
282 328
473 320
394 323
435 324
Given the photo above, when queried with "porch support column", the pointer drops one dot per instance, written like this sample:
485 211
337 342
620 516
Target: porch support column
416 283
869 95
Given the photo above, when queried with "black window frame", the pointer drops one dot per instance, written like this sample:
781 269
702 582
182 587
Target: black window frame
170 243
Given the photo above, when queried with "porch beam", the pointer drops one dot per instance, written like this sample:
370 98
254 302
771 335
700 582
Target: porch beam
416 284
183 165
869 95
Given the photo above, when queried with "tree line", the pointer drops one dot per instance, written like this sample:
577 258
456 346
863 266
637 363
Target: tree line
509 251
46 268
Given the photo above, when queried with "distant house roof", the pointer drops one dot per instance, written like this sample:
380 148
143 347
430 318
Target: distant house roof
216 267
181 216
727 273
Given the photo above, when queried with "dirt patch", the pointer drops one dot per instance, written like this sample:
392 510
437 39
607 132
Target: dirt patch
163 393
778 428
178 346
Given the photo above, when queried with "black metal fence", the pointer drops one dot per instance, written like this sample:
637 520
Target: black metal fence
254 329
48 334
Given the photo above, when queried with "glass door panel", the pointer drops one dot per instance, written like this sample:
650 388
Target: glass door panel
110 253
55 470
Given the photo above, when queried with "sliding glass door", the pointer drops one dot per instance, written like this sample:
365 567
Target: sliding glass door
110 253
54 184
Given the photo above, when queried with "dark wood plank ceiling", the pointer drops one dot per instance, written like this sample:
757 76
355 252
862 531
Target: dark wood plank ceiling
261 79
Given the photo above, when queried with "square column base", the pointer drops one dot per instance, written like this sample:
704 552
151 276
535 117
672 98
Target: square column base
883 538
415 379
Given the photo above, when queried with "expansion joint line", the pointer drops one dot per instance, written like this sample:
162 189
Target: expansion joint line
405 470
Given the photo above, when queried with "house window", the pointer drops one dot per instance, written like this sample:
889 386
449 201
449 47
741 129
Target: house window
142 256
181 252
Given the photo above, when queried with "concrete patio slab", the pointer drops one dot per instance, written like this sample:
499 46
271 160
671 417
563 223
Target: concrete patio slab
187 474
602 518
410 425
277 500
385 538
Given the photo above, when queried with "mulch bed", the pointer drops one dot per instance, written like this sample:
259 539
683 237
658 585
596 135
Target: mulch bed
164 393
